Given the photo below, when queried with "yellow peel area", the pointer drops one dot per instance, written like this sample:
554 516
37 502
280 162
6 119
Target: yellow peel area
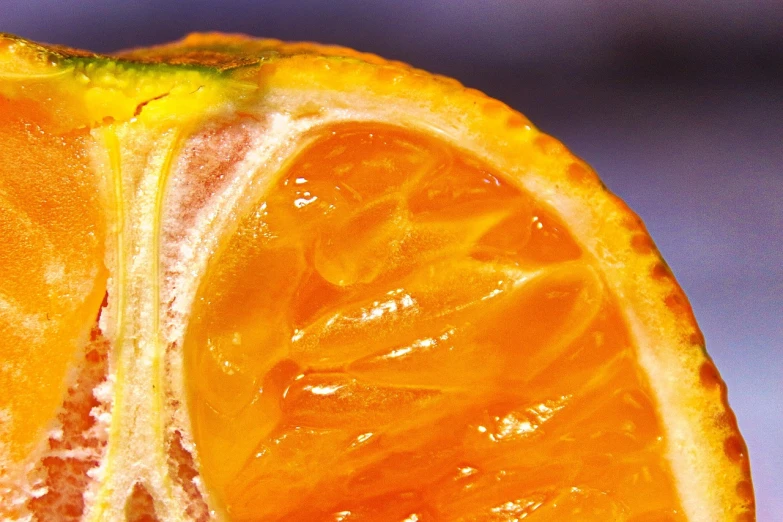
92 91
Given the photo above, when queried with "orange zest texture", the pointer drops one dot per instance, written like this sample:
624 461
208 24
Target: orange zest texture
246 280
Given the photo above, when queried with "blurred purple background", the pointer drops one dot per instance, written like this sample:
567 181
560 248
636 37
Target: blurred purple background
678 106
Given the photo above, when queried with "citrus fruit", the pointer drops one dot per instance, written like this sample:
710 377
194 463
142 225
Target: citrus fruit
248 280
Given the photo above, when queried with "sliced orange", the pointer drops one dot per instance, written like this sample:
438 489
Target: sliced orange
330 287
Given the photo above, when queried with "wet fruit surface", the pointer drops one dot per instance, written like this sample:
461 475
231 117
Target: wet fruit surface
52 278
394 332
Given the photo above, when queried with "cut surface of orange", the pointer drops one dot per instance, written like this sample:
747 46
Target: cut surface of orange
415 333
330 287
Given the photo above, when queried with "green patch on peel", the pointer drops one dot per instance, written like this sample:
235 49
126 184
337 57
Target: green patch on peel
105 89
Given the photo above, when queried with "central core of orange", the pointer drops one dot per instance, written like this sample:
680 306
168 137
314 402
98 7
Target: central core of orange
396 333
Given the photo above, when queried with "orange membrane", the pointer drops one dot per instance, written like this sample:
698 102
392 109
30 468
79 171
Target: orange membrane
395 333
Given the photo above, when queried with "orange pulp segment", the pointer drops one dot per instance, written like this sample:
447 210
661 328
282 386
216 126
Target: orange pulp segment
395 332
52 278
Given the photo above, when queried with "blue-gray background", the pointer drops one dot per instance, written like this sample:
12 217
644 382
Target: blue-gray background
677 104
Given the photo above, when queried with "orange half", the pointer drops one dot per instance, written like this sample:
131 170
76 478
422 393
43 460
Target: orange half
330 287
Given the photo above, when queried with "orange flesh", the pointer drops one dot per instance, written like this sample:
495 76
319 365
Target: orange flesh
396 333
52 278
78 448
